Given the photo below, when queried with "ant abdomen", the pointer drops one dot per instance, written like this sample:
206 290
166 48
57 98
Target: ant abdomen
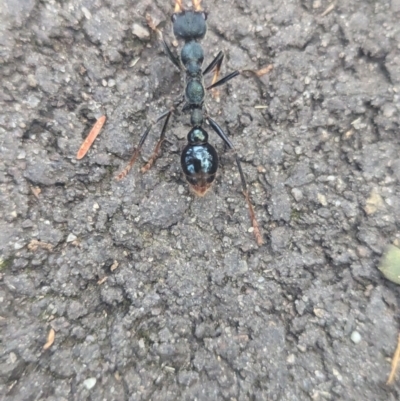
199 164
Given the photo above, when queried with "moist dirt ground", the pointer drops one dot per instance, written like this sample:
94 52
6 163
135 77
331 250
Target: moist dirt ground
154 294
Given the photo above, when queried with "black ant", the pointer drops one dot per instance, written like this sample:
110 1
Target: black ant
199 160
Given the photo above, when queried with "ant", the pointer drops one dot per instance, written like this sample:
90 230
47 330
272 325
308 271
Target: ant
199 159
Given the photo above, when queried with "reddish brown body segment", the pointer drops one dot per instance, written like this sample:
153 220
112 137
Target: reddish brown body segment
87 143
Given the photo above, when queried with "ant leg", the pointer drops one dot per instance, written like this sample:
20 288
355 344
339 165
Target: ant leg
224 80
225 138
216 66
218 60
216 63
171 55
167 49
158 146
126 170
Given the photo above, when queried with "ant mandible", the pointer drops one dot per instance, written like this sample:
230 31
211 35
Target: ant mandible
199 160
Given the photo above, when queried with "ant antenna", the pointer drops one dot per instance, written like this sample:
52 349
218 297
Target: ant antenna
178 6
197 5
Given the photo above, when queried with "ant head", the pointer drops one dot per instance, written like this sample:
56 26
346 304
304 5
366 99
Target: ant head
190 25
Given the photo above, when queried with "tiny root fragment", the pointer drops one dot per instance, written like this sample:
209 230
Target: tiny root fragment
265 70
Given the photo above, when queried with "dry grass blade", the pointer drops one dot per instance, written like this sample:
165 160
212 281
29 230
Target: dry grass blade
134 62
330 8
395 363
50 339
102 280
87 143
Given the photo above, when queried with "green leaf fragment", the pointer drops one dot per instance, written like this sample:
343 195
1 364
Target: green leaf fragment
390 264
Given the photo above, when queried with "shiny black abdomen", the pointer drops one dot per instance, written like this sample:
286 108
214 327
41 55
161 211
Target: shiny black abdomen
199 163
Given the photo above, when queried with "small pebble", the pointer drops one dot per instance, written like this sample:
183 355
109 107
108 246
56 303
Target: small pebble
388 110
337 374
71 237
90 383
18 246
140 31
297 194
355 337
319 312
31 80
12 358
358 124
316 3
322 199
86 13
27 224
302 348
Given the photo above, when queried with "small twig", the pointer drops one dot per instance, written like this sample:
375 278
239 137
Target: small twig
87 143
102 280
330 8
